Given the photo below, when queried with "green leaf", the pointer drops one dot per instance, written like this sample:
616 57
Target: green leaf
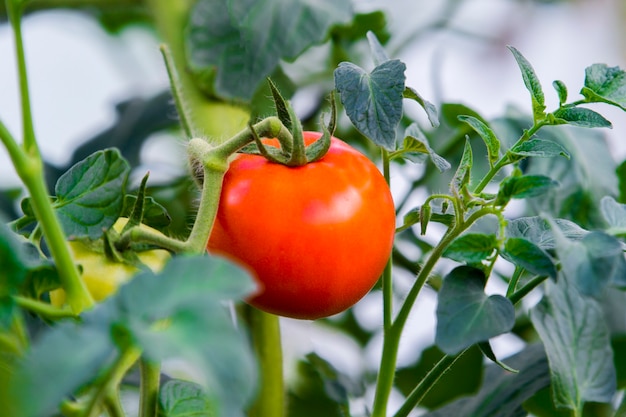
461 379
614 213
379 54
503 393
415 142
190 292
605 84
179 398
15 258
485 348
580 116
591 262
538 231
466 315
487 135
531 81
429 108
529 256
373 102
561 90
161 314
90 194
462 175
245 40
540 148
525 186
471 248
573 329
154 214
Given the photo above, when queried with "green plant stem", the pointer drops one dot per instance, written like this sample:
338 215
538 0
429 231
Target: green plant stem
110 383
43 309
392 338
505 159
387 278
514 280
265 331
420 391
523 292
113 405
149 387
177 92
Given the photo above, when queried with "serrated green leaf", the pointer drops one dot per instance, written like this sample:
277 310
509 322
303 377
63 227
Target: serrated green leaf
540 148
488 136
606 85
429 108
90 194
580 116
524 253
466 315
524 186
503 393
531 81
561 90
178 398
244 40
573 329
538 231
462 175
373 101
471 247
416 142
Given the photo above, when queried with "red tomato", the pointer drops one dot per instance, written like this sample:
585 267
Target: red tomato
316 237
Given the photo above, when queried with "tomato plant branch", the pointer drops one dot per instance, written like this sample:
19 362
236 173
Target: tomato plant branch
149 387
425 385
43 309
523 292
387 278
113 405
265 333
184 113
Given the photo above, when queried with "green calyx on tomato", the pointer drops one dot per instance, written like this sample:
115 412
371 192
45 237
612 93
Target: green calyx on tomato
316 237
103 273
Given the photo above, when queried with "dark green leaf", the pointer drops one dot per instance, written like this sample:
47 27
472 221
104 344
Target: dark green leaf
154 214
373 102
466 315
538 231
90 195
15 258
573 329
621 177
416 142
487 135
561 90
503 393
605 84
244 40
524 186
471 248
179 398
462 175
580 116
540 148
429 108
531 81
529 256
461 379
485 348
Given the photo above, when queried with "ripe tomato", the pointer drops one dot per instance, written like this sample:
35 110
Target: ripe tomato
316 237
103 276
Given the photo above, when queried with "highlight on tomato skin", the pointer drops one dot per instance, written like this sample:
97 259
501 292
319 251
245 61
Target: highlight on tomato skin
316 237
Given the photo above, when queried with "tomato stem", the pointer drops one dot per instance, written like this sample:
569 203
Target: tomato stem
387 281
184 113
149 387
265 332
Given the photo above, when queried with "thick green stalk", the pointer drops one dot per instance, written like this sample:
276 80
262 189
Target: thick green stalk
387 278
149 388
265 331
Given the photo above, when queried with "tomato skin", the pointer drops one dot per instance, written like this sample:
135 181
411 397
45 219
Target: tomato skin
317 237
